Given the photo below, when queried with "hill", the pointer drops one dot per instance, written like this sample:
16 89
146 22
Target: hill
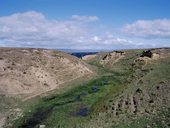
131 90
32 71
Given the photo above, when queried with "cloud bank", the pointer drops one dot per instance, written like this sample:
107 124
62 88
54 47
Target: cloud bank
149 28
33 29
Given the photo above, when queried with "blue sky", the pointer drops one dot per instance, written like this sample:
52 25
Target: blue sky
85 24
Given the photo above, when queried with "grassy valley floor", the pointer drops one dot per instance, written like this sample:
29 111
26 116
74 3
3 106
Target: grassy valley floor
130 93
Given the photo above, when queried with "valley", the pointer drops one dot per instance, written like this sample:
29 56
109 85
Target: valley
117 89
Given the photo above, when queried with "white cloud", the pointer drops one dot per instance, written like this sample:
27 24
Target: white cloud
33 29
36 28
110 40
149 28
105 41
96 39
85 18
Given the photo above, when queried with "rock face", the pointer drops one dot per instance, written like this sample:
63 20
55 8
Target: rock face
147 53
112 57
34 71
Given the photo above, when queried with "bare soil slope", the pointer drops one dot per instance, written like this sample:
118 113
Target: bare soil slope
30 72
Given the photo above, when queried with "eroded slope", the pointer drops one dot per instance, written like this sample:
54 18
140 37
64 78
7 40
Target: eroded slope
30 72
132 91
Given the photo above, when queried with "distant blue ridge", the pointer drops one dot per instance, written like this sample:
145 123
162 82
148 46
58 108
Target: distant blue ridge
81 54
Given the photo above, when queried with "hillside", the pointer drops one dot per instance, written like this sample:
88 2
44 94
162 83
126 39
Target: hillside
30 72
131 90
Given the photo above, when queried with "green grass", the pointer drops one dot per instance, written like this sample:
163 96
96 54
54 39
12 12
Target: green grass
61 109
65 105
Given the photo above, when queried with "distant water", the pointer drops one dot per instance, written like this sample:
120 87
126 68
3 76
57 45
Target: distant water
81 54
84 111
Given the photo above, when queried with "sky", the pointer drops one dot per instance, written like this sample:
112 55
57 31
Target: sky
85 24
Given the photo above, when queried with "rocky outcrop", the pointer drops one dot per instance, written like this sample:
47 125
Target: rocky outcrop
112 57
147 53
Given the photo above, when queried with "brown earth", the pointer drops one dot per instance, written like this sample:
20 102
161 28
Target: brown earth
112 57
31 72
